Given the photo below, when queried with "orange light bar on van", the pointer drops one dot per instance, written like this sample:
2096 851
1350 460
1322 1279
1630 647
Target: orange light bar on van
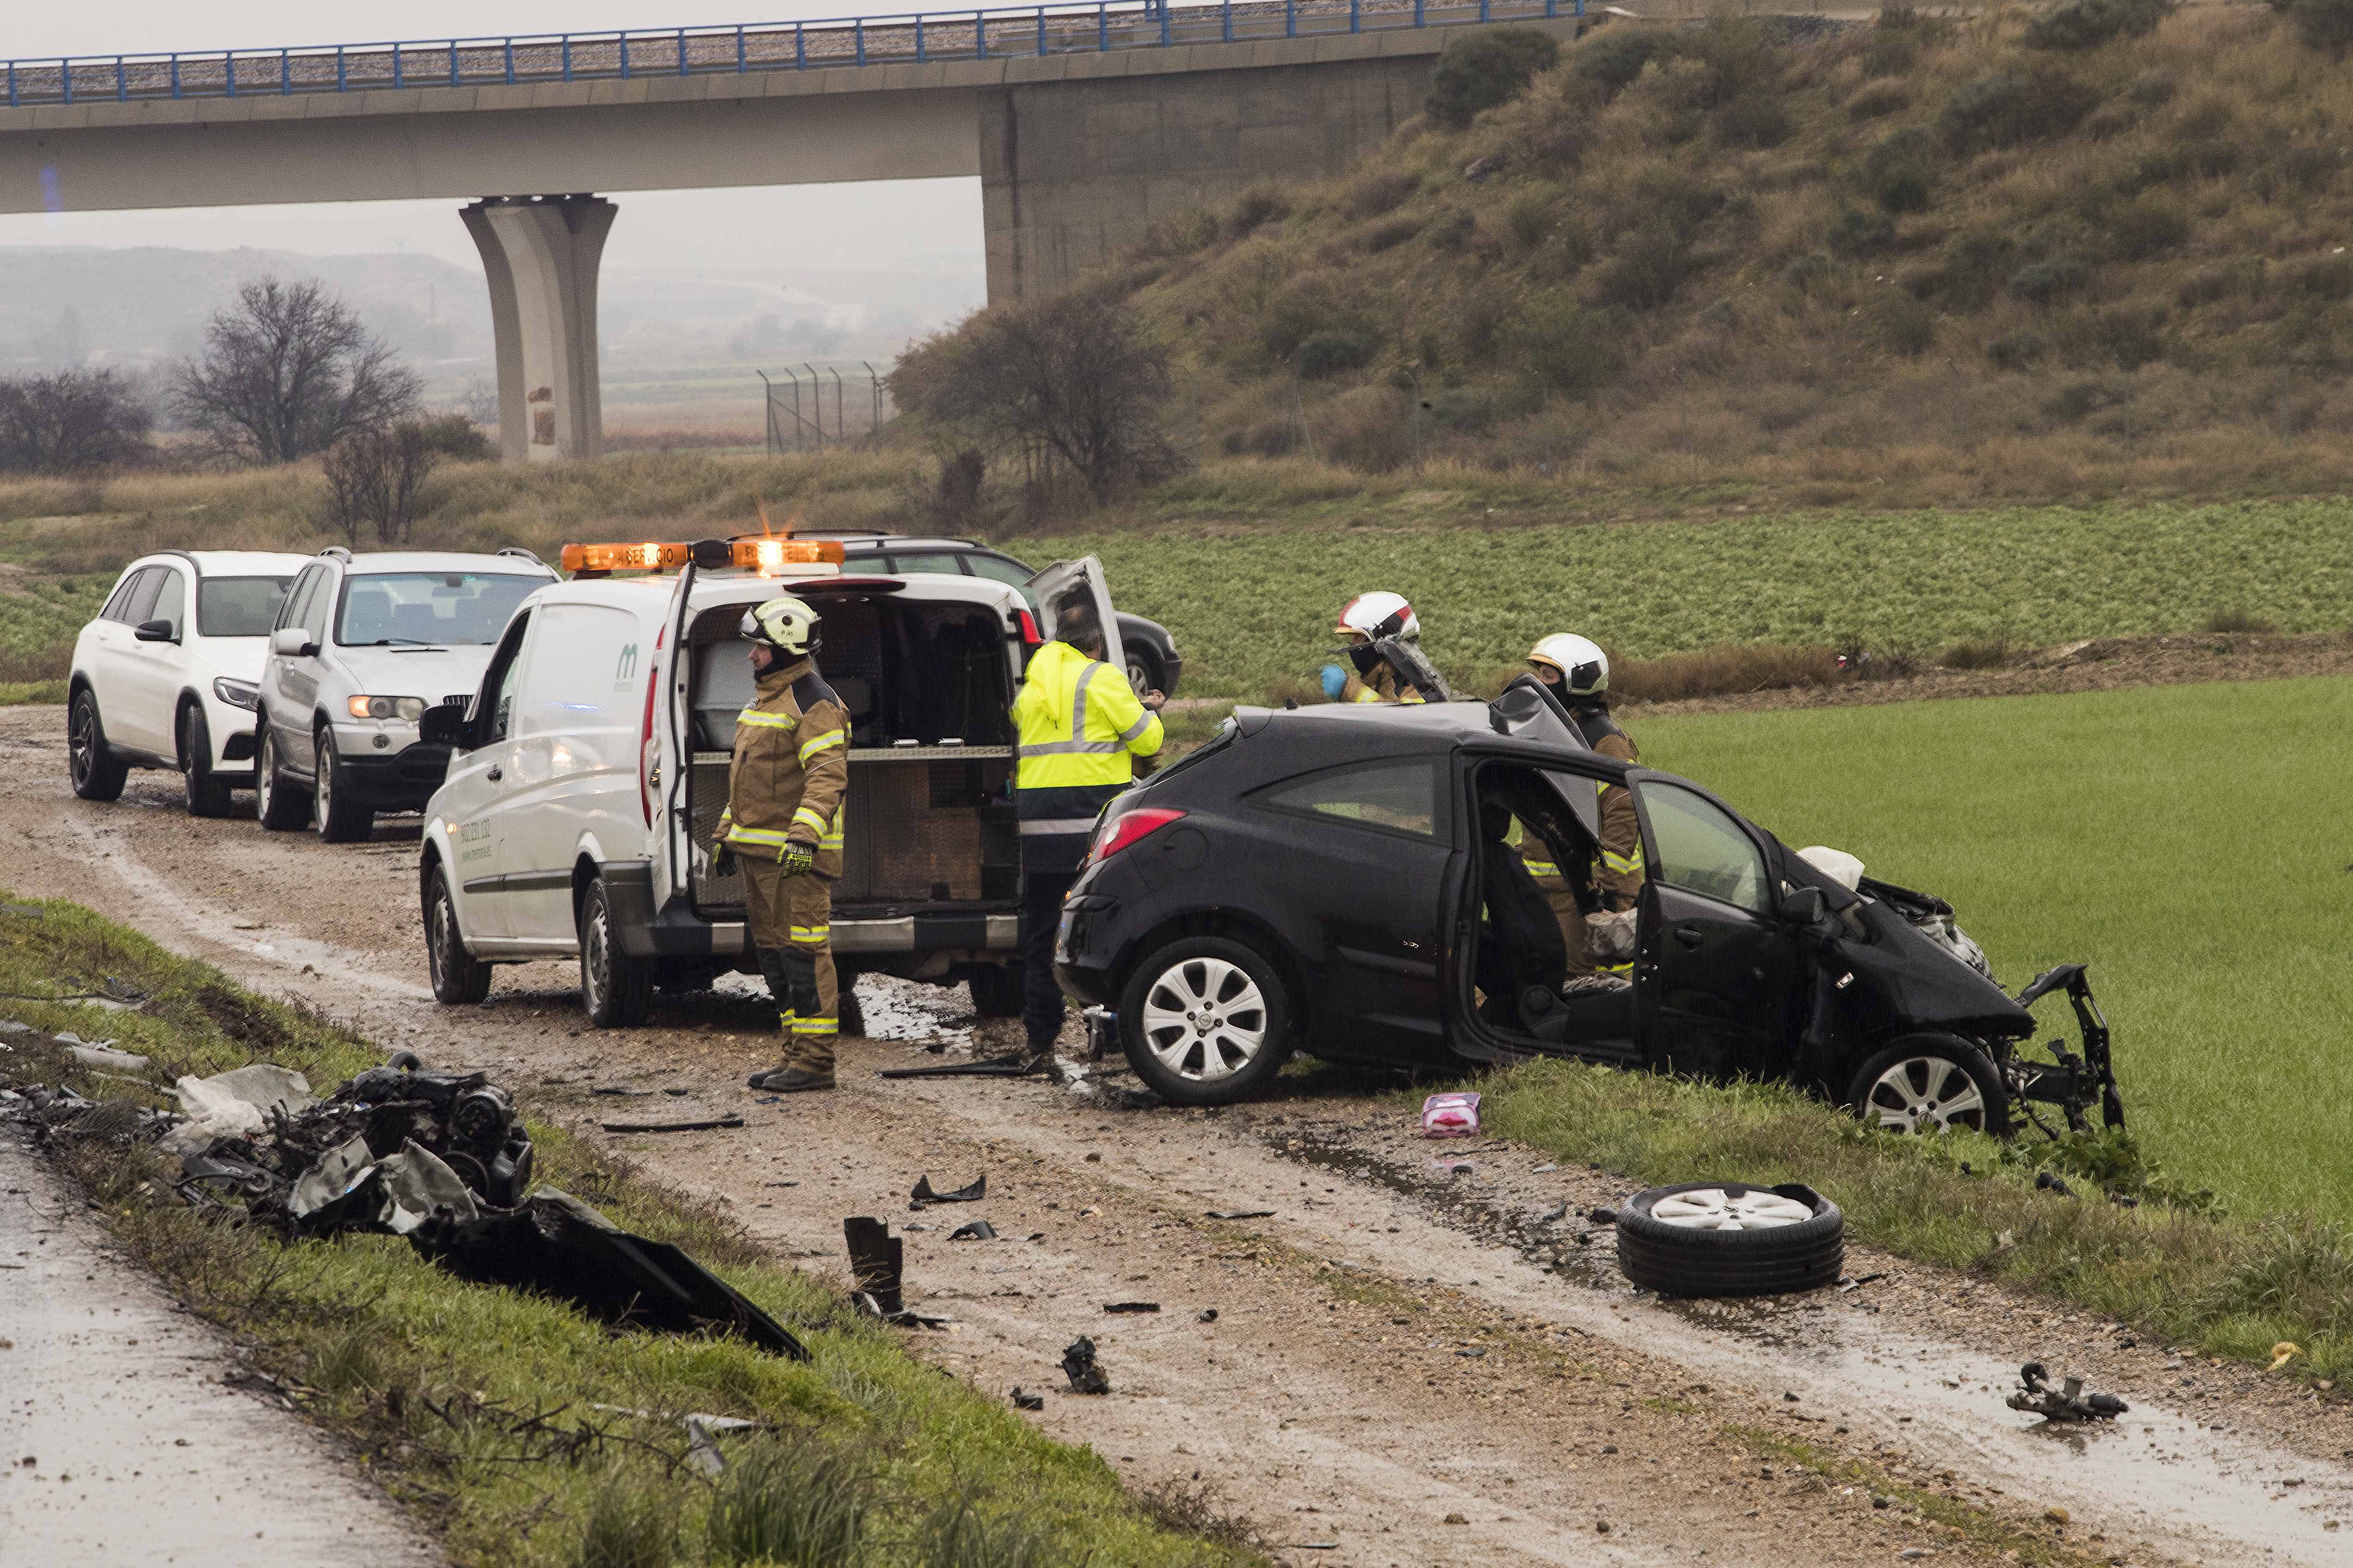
647 557
766 555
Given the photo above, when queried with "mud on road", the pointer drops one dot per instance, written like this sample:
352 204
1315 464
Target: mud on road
1405 1366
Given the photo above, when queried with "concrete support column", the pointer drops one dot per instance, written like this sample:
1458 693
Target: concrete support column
540 254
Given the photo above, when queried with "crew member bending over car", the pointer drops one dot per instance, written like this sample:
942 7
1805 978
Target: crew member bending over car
1576 670
1082 728
783 821
1364 620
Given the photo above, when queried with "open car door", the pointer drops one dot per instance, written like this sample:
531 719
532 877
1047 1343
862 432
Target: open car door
1086 575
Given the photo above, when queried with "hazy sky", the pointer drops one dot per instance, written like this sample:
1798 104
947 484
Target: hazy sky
890 223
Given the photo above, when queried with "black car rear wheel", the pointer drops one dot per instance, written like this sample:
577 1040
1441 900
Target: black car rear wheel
1728 1238
1930 1083
1206 1020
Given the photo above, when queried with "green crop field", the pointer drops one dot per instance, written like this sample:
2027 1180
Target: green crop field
1253 605
2190 843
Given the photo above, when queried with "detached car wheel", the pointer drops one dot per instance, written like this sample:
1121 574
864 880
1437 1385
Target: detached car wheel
1205 1021
97 773
208 792
617 991
458 976
1727 1239
1931 1083
281 806
340 818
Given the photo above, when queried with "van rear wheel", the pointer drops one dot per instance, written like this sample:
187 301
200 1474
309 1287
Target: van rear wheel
1206 1020
617 991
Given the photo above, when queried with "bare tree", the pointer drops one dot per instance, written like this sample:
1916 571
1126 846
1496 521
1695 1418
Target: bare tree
374 477
480 401
289 371
1074 374
71 423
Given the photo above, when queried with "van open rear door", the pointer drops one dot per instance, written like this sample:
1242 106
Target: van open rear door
1084 575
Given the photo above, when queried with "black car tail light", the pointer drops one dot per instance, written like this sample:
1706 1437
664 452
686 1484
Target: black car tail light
1130 825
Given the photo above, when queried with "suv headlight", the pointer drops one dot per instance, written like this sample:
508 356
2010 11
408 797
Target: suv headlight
237 693
409 707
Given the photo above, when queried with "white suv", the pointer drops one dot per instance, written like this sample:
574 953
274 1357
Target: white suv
364 645
166 676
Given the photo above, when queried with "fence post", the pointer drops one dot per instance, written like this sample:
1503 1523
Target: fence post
1164 22
396 66
980 35
1290 18
919 37
800 49
1482 10
874 389
1042 32
453 62
1418 19
12 80
739 50
509 53
857 36
840 434
228 71
1356 13
1102 27
624 38
122 83
567 57
1228 19
175 76
681 51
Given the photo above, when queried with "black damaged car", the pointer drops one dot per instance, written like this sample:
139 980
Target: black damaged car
1338 879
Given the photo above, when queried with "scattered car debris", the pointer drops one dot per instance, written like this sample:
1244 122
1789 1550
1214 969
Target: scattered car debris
2068 1402
978 1230
1603 1217
1556 1216
1475 1353
1206 1315
1540 1170
1086 1373
1026 1400
108 1057
1131 1306
2284 1351
877 1261
705 1124
923 1197
1238 1213
1450 1115
622 1091
2045 1182
984 1067
1858 1281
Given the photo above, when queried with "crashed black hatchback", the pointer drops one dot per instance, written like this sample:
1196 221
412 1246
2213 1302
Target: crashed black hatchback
1333 879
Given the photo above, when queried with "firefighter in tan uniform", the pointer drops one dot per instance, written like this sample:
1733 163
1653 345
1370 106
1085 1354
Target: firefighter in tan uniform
783 825
1577 672
1369 678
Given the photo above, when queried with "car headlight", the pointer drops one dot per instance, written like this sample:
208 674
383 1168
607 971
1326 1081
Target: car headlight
409 707
237 693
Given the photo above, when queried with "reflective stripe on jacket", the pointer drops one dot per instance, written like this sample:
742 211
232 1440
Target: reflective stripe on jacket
1081 730
790 775
1381 686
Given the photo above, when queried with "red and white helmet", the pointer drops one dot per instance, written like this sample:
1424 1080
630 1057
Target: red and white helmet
1584 668
1379 614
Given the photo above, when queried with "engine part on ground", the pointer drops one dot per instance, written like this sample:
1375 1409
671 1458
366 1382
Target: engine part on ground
2068 1402
923 1197
1730 1239
1085 1373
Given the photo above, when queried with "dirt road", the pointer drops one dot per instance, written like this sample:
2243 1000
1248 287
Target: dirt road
1405 1366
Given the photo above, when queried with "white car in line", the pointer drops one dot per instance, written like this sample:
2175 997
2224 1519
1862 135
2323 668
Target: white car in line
166 677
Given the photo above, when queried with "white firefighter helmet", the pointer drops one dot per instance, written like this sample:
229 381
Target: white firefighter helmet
786 624
1379 614
1584 668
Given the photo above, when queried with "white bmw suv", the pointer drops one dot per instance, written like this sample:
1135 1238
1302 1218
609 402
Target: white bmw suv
363 647
166 676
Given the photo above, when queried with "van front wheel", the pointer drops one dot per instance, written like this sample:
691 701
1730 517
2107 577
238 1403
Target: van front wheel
458 977
617 991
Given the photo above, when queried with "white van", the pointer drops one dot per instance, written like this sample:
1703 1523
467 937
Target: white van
588 775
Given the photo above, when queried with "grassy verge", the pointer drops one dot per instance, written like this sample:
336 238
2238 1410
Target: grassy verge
1969 1202
527 1434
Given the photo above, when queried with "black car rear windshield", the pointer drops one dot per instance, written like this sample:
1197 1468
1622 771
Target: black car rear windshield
238 607
421 609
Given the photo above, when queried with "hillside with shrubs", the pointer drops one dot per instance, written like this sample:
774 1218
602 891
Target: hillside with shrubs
1966 256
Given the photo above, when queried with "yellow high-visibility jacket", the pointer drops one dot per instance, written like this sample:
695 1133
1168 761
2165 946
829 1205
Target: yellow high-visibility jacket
791 770
1081 729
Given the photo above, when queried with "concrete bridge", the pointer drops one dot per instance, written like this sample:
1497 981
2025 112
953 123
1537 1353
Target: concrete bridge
1084 124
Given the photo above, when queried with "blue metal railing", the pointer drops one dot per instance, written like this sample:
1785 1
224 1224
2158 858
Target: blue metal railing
1069 26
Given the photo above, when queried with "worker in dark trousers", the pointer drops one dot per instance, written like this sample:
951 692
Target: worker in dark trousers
1081 728
1576 671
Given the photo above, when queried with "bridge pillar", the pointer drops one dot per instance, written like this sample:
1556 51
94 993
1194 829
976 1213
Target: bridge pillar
540 254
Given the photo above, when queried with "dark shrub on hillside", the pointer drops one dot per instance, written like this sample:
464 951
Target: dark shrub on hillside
2329 278
2325 25
2075 401
1808 273
1614 57
455 438
1378 193
1329 353
1308 306
1906 325
1453 231
2048 281
2237 281
1901 172
2088 24
1973 267
1527 220
2018 350
1483 71
1897 38
1391 235
1753 119
2145 228
1855 232
1647 268
2005 108
2131 338
1566 347
1255 207
1876 99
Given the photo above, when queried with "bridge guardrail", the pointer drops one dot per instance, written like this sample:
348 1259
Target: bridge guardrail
985 32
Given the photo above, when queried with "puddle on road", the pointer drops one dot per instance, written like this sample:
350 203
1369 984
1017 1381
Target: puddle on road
2156 1474
906 1012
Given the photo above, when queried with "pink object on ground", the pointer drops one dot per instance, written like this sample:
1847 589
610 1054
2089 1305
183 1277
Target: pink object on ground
1450 1115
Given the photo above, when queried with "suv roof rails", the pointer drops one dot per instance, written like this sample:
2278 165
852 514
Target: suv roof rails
527 556
337 553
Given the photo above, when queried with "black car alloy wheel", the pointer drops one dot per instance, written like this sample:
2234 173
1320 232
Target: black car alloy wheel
1728 1238
456 976
1206 1020
1930 1083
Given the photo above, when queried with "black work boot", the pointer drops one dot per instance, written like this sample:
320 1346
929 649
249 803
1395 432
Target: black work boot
793 1079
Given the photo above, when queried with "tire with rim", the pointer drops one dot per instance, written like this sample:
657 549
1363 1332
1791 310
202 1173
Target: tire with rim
97 773
1930 1083
996 990
458 977
1730 1238
208 792
281 807
1143 669
617 991
1206 1020
340 818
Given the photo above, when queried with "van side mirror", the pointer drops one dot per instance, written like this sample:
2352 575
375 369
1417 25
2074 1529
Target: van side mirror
293 642
443 724
1804 906
155 631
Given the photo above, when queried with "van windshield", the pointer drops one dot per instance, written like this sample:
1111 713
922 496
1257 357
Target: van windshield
238 607
425 609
